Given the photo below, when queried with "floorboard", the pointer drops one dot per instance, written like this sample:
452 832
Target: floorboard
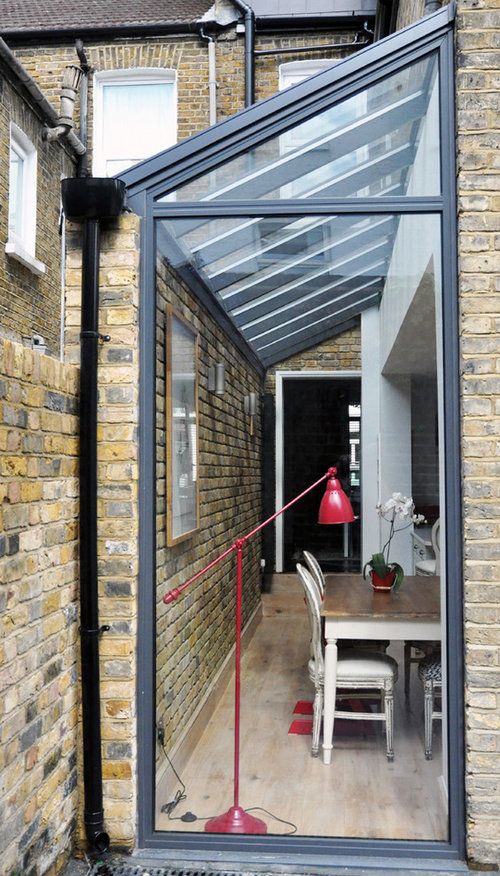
359 795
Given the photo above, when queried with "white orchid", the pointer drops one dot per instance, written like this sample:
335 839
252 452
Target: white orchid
399 506
402 507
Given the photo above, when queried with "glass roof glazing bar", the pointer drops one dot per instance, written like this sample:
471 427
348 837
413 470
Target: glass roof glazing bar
289 167
329 321
297 207
274 320
245 317
344 246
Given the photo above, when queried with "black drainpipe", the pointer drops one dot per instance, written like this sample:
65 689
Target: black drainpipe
249 19
90 199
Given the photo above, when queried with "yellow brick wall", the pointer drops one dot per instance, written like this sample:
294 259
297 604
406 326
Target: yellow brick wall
30 304
477 38
38 619
189 651
189 57
117 506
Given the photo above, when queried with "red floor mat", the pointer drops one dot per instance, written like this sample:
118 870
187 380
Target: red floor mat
303 707
343 727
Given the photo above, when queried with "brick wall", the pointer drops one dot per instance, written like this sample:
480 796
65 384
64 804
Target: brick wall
117 506
195 634
340 353
38 581
189 57
477 37
30 304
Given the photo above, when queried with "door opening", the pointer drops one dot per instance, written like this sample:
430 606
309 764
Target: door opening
321 427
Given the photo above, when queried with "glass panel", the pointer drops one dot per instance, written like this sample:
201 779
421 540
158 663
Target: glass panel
151 108
16 178
382 140
279 277
286 283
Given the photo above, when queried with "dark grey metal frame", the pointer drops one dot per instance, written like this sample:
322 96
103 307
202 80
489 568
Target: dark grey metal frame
145 183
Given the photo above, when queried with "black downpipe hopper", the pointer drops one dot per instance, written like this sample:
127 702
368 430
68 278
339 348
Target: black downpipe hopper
91 200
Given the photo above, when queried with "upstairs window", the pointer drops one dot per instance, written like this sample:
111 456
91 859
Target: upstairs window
296 71
135 116
22 200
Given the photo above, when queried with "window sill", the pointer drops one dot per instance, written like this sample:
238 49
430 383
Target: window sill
17 252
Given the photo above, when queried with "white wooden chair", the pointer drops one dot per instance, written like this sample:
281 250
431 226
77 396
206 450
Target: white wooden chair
319 579
316 572
414 651
429 672
356 670
429 566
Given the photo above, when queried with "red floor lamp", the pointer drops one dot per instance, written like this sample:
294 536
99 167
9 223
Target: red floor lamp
335 508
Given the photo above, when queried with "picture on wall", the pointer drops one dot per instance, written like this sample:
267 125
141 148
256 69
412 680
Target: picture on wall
181 428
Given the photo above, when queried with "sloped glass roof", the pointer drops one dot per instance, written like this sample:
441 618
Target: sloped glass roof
363 146
285 281
284 217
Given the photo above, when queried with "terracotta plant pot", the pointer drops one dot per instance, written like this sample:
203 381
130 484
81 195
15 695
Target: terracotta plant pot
385 583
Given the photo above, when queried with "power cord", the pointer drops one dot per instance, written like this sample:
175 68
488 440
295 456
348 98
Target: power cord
189 817
179 794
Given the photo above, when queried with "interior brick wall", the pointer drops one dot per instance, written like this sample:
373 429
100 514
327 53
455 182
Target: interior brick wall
30 304
341 353
38 611
196 633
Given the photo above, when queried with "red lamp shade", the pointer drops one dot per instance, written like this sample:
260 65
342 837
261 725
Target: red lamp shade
335 506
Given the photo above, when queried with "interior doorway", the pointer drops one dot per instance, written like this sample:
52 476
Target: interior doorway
318 425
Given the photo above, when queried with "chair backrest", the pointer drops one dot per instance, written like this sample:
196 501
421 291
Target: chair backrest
313 609
316 572
435 540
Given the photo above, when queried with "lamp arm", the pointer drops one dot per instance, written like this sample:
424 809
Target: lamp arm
172 595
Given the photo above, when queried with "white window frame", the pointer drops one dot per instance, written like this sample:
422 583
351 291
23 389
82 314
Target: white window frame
293 72
132 75
21 243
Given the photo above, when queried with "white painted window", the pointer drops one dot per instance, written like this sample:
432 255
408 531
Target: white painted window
296 71
135 116
22 200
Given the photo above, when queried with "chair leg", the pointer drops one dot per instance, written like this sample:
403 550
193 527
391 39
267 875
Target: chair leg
428 709
389 720
407 669
317 715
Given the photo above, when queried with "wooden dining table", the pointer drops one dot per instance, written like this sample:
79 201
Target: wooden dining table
353 610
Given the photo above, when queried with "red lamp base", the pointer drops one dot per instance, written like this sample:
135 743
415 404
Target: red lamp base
235 820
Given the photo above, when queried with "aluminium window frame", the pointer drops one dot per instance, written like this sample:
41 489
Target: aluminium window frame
145 184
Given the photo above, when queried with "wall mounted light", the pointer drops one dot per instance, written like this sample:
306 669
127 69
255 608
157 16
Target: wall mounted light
217 378
250 406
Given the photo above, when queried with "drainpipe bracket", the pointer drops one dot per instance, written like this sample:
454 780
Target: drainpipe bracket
94 632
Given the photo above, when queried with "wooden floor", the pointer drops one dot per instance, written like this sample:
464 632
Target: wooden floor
359 795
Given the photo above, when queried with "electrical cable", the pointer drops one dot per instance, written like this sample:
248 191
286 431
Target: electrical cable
272 815
179 794
189 817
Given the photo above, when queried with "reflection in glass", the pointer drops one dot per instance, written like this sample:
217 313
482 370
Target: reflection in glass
384 140
182 486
